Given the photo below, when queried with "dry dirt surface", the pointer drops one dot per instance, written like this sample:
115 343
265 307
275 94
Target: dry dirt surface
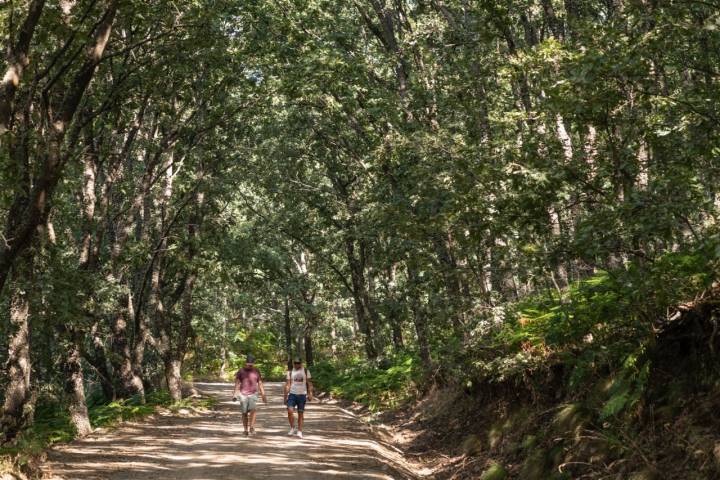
211 446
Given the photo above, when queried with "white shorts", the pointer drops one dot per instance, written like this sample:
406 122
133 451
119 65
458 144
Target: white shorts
248 402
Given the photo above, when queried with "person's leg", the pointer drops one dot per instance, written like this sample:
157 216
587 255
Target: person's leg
291 417
301 413
244 408
291 412
291 409
252 409
252 421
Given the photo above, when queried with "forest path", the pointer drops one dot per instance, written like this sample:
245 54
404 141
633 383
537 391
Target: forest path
212 446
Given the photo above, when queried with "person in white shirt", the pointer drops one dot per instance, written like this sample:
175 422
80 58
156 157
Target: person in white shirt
298 390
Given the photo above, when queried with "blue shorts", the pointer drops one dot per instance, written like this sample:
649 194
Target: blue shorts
297 401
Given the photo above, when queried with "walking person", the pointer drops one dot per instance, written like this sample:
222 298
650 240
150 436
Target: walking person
298 390
248 381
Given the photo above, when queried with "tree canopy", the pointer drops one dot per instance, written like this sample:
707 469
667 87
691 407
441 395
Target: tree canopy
482 187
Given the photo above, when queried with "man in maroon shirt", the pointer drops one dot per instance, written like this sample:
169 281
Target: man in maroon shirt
247 383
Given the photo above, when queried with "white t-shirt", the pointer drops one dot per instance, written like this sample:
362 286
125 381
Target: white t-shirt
298 385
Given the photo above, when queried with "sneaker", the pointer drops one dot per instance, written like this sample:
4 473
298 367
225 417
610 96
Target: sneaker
252 430
299 434
292 432
246 433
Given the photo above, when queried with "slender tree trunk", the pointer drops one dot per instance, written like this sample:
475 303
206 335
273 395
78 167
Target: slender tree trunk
359 296
397 336
333 340
394 312
369 299
590 151
420 321
176 356
288 331
451 276
421 330
309 352
299 348
99 362
128 383
142 334
174 362
223 341
166 349
556 227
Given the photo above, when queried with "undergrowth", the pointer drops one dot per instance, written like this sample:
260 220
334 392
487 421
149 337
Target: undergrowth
597 368
379 386
604 327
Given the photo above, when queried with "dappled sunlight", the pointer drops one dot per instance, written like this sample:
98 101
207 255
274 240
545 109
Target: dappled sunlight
212 446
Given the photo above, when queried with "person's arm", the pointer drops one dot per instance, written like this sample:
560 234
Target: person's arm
309 386
262 391
237 388
286 389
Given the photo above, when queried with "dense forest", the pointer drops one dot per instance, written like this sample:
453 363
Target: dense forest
516 201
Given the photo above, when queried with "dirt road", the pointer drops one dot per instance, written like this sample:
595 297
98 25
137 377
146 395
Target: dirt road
212 447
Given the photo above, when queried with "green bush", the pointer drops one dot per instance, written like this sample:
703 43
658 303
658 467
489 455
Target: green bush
494 472
273 372
360 381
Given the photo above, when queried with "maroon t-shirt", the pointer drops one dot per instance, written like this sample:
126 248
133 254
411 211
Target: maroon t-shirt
248 378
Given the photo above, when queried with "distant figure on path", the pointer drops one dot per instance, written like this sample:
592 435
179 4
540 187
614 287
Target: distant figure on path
248 381
298 389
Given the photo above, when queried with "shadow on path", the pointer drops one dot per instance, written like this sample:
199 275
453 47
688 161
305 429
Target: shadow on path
212 447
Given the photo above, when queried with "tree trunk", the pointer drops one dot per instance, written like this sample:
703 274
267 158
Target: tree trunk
164 344
421 330
556 227
360 295
420 321
98 360
397 335
333 341
453 286
177 354
17 60
140 338
288 331
173 368
299 349
75 389
394 312
223 342
175 357
17 410
309 354
128 383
